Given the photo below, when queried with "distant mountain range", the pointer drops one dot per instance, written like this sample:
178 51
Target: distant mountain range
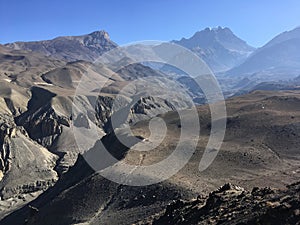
218 47
238 66
278 59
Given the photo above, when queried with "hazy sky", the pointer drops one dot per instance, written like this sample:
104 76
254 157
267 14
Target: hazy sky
255 21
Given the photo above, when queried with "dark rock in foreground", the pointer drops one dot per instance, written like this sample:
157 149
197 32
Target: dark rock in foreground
233 205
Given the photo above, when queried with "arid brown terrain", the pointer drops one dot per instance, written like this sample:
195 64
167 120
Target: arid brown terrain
44 176
253 154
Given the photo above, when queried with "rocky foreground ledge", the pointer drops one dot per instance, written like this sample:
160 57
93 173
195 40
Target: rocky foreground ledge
231 204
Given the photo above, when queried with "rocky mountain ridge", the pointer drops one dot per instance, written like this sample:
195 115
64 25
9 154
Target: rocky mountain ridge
278 59
70 48
218 47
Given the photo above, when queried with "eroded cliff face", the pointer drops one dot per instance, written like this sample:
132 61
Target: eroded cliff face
42 125
21 156
5 135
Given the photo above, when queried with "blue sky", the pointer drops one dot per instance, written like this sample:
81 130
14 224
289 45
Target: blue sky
135 20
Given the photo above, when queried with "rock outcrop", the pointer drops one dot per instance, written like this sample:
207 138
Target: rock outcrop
231 204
